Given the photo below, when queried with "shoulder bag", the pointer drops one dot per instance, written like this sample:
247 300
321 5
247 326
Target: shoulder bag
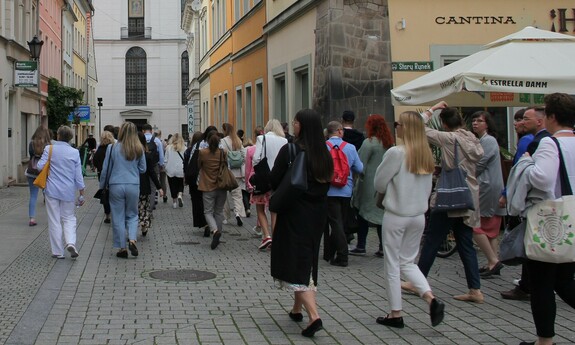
32 168
550 228
260 180
225 179
452 192
235 158
512 246
42 178
293 183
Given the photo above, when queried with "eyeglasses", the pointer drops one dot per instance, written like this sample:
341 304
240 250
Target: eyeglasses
477 120
397 124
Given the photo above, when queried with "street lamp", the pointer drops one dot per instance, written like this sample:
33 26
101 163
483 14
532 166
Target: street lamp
35 46
100 105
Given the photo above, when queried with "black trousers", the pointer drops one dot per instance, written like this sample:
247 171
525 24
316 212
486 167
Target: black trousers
335 241
176 186
547 278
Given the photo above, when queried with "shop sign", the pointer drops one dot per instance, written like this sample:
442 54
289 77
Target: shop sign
190 107
476 20
80 114
412 66
26 74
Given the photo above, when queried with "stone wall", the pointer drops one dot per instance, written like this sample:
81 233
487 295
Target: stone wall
353 61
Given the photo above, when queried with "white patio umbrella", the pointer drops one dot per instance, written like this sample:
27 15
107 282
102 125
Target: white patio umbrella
516 70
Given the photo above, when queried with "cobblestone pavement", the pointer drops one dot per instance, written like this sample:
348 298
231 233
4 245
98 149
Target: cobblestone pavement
100 299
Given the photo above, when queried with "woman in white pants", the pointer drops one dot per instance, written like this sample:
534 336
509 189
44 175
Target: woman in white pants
404 177
65 177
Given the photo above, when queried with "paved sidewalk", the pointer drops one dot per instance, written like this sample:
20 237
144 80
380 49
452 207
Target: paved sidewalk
100 299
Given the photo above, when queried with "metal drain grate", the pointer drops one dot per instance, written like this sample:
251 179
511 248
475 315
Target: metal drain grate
181 275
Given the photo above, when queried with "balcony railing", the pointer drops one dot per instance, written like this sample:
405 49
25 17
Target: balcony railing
136 33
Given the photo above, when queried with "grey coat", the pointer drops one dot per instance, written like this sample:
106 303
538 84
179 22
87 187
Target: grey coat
520 194
490 178
371 155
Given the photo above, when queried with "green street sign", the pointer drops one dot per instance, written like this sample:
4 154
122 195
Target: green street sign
412 66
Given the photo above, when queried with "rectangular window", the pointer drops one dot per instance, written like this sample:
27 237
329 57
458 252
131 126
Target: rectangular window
248 129
246 6
239 108
23 135
226 112
221 109
280 102
301 88
259 104
237 10
136 28
216 110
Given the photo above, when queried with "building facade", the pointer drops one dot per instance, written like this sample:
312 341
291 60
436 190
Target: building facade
140 47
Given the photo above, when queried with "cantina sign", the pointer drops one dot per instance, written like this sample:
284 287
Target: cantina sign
475 20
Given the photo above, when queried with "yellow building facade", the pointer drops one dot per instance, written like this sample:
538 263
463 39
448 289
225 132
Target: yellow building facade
237 72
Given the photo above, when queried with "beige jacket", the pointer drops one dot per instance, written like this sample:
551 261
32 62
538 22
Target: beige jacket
469 152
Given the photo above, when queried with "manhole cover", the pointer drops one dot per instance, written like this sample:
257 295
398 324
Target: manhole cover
182 275
186 243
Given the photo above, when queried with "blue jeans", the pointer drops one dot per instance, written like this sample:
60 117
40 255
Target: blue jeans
124 200
439 225
33 197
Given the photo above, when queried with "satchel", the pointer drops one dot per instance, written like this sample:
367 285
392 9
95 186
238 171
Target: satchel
235 158
260 180
32 168
293 183
225 179
512 246
550 228
452 192
42 178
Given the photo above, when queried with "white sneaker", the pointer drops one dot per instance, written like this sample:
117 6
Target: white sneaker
225 221
180 200
516 282
175 205
257 230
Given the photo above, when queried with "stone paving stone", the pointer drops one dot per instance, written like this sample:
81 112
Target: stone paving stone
113 301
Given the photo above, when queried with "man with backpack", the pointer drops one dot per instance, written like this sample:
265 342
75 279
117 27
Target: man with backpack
345 162
157 154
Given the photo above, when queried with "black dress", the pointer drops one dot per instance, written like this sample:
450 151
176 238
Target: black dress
298 231
198 218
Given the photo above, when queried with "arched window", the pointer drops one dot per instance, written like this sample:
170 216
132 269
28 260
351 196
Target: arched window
185 76
136 77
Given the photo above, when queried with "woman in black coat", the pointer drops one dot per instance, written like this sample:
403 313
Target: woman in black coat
106 138
145 189
298 230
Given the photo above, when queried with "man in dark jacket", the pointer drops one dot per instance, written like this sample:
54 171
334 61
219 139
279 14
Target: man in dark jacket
350 134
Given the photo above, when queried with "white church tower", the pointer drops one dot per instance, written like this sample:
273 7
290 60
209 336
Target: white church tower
142 63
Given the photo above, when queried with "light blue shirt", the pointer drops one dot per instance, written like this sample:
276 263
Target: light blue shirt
122 171
65 175
355 166
159 146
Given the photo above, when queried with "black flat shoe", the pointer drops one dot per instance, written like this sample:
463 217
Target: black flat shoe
239 221
436 311
133 248
297 317
216 239
123 253
309 332
495 271
396 322
207 231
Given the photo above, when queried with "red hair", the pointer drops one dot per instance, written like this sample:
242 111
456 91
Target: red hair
376 126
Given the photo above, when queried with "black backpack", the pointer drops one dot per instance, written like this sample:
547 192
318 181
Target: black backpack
153 148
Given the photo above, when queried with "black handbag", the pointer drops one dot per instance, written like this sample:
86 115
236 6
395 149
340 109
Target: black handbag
452 192
104 193
512 246
293 183
260 180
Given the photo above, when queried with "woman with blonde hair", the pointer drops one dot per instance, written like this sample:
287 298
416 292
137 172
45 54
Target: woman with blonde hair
127 161
404 177
106 138
173 164
267 145
234 148
40 139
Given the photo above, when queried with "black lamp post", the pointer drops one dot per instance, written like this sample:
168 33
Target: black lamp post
100 105
35 46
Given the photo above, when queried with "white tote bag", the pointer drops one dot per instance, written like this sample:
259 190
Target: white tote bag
550 234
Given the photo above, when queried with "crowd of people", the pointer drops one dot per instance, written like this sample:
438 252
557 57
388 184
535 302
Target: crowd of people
371 181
